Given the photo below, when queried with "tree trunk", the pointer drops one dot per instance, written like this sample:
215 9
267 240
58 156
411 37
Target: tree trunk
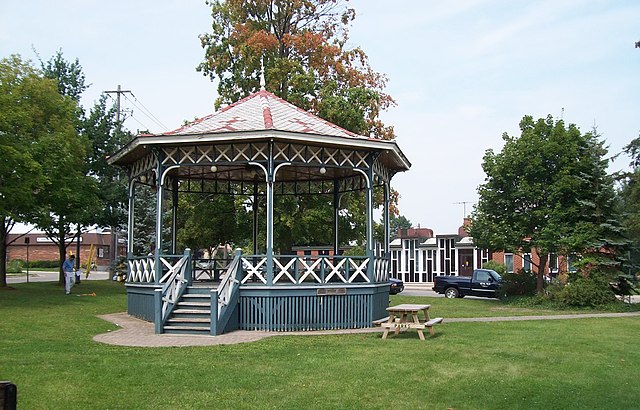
541 272
3 253
62 250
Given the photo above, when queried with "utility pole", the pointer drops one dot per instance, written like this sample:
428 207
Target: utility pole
118 92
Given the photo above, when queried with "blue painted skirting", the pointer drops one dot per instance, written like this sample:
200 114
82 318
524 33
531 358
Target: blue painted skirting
288 308
140 302
294 309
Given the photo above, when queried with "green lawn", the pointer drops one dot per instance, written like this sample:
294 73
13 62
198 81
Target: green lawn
47 350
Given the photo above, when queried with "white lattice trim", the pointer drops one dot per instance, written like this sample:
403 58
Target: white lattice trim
253 270
335 270
360 269
142 270
310 269
284 270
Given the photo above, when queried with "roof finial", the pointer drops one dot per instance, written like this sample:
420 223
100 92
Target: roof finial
263 83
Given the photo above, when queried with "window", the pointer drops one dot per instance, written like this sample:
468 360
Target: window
571 263
553 263
508 262
482 276
526 262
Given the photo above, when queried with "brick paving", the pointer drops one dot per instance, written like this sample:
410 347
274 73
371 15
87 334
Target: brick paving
137 332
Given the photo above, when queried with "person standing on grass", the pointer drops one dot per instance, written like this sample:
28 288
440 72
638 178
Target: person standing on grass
69 273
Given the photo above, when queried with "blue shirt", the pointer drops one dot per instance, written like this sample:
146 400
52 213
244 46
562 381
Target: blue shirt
67 266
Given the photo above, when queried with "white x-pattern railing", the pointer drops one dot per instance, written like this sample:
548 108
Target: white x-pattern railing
174 281
305 269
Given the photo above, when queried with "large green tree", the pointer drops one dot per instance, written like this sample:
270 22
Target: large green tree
547 190
302 44
36 130
630 198
71 200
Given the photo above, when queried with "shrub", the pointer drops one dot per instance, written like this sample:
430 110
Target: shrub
15 266
517 284
54 264
498 267
593 291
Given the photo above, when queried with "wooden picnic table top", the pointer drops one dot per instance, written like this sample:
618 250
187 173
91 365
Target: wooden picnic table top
407 307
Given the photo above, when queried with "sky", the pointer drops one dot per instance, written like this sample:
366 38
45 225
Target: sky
461 72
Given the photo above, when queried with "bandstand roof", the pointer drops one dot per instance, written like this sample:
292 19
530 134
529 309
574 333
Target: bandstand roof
263 116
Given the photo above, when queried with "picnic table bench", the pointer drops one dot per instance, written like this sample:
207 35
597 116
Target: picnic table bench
397 320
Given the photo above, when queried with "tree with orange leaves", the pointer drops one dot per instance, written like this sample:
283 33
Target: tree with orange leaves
302 46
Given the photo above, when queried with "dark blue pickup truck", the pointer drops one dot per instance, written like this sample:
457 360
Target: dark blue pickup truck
483 282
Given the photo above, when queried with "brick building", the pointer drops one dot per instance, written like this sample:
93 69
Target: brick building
41 248
417 256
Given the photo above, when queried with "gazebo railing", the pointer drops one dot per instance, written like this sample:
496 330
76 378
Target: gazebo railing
225 297
287 269
174 282
321 269
210 268
142 269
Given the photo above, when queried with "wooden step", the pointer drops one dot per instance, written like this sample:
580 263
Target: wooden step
194 304
186 329
192 311
189 320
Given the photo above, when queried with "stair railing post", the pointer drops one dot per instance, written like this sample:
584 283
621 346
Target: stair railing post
157 307
188 274
214 312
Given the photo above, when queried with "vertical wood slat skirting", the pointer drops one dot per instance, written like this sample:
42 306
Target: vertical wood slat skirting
297 313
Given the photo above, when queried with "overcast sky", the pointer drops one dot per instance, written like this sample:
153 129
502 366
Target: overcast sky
462 72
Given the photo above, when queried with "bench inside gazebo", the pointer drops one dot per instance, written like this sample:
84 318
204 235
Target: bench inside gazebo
260 147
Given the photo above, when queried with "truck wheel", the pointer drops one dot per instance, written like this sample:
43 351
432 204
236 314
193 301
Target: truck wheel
451 293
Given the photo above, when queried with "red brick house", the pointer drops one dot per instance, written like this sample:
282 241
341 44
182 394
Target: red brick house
41 248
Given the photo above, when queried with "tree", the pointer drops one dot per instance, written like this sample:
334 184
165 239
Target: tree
302 44
546 190
209 221
630 198
101 129
70 200
36 123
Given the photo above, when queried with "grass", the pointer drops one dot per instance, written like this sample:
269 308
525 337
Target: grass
46 348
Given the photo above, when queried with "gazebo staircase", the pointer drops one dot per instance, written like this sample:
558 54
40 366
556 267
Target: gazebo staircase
192 313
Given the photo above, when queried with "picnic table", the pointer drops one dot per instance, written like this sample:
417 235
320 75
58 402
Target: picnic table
405 316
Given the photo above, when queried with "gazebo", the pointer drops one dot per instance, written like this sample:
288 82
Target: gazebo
261 147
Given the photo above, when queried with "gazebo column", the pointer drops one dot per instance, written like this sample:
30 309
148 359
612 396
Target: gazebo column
174 216
370 244
130 217
159 200
255 218
385 216
269 229
336 209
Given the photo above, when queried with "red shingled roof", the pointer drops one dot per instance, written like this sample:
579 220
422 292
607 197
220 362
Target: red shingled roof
263 111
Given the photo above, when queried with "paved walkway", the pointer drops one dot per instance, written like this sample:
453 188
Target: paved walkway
136 332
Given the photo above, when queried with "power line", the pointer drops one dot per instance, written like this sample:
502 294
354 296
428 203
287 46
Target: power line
150 115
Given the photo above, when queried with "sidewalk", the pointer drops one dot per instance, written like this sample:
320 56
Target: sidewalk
52 276
139 333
